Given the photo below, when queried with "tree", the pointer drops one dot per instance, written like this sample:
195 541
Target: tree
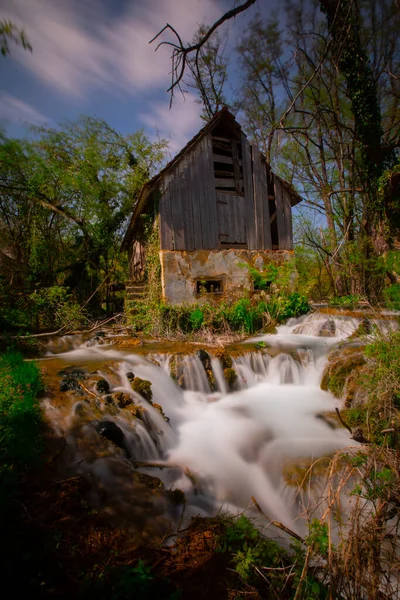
64 202
208 70
9 32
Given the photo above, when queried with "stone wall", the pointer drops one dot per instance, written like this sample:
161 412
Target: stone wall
181 270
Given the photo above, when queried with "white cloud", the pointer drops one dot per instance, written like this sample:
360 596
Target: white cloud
17 111
178 124
79 47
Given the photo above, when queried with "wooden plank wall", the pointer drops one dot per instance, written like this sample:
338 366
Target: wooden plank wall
261 208
231 218
193 214
284 216
248 194
188 208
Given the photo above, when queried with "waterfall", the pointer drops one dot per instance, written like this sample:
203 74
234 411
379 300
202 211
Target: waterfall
235 444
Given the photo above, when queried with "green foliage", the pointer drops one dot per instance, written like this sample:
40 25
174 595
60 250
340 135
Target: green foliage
349 301
283 307
318 537
250 549
55 306
64 201
20 443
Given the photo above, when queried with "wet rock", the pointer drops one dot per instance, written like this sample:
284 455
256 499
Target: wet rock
109 399
142 387
176 497
80 408
341 373
130 376
160 410
137 411
328 329
364 328
211 380
224 358
205 358
153 483
69 384
102 386
230 378
110 431
122 399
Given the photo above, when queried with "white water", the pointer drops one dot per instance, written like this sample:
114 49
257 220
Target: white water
235 445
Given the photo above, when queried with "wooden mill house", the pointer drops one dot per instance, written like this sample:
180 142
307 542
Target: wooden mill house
218 207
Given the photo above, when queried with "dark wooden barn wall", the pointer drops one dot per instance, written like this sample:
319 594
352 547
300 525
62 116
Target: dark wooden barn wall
248 195
283 215
188 207
261 208
194 216
231 218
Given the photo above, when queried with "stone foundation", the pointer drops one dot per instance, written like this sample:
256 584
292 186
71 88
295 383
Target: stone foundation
180 272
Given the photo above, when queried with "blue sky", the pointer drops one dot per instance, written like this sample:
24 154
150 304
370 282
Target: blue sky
93 57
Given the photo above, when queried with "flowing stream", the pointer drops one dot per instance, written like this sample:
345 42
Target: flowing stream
220 447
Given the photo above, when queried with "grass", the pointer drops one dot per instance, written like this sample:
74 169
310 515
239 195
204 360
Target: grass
20 424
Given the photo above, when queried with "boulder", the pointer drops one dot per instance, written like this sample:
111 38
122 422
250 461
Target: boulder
205 358
122 399
110 431
328 329
341 373
142 387
230 378
69 384
224 358
102 386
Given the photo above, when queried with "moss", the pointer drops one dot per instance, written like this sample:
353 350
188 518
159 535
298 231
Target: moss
153 483
122 399
339 369
224 358
231 378
211 380
137 411
143 387
160 410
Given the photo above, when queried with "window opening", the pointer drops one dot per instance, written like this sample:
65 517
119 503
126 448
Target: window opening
209 286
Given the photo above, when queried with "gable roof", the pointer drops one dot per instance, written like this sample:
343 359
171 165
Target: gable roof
150 186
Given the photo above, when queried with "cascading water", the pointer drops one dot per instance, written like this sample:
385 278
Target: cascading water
221 448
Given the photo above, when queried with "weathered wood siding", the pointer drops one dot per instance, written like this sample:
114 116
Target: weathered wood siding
196 216
261 209
283 215
188 207
248 195
231 219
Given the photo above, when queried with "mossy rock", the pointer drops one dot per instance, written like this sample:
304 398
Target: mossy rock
122 399
230 378
142 387
364 328
137 411
153 483
224 358
69 384
338 370
205 358
211 380
102 386
176 497
159 408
